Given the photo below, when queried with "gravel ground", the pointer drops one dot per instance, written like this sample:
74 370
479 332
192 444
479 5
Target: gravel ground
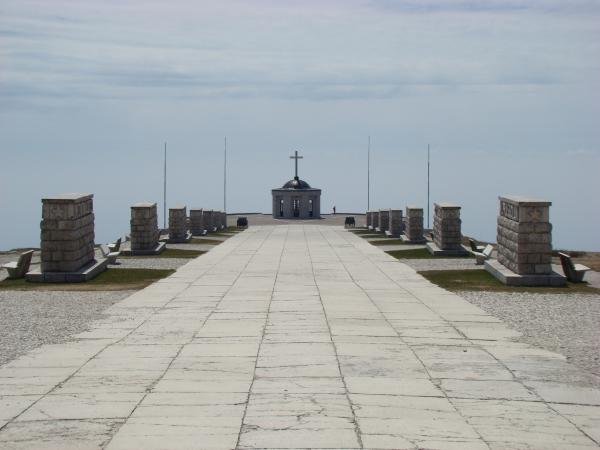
568 324
29 319
442 264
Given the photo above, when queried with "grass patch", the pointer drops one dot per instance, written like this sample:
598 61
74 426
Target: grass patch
421 253
205 241
481 280
390 242
109 280
360 231
171 253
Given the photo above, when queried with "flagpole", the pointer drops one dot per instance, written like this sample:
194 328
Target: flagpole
165 191
428 164
225 178
369 174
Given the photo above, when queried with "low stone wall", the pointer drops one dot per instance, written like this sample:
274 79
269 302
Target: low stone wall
196 221
144 227
525 235
447 226
67 232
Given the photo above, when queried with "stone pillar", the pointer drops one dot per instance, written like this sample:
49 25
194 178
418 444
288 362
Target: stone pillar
196 222
67 232
447 238
384 220
216 220
369 219
414 224
525 235
375 219
396 223
177 224
207 219
144 227
446 226
224 220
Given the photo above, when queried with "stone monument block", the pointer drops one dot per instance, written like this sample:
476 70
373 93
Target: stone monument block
178 227
207 220
447 236
144 230
67 232
67 240
196 221
375 219
396 223
413 231
384 220
524 243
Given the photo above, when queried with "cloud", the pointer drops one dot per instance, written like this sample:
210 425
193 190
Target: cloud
321 51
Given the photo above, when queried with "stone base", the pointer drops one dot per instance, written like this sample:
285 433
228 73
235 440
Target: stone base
508 277
185 240
414 241
84 274
160 247
436 251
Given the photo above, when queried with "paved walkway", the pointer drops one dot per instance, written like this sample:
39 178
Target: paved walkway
296 337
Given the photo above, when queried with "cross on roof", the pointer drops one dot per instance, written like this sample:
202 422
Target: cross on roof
296 157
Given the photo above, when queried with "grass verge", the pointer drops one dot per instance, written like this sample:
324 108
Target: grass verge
206 241
109 280
481 280
390 242
360 231
421 253
171 253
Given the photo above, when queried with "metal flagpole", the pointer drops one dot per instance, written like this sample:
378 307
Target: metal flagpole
165 191
369 174
225 178
428 186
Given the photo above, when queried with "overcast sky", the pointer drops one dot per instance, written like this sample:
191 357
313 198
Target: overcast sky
506 92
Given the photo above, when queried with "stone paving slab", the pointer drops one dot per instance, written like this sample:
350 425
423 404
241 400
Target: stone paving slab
299 336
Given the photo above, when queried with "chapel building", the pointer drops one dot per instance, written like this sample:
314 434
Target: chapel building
296 199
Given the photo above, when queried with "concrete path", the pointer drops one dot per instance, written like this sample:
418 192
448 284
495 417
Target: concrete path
296 337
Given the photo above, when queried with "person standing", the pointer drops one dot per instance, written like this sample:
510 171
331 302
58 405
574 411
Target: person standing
334 210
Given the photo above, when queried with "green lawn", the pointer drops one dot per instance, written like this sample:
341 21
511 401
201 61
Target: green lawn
109 280
171 253
421 253
360 231
390 242
481 280
205 241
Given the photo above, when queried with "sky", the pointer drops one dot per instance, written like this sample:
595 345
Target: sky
506 93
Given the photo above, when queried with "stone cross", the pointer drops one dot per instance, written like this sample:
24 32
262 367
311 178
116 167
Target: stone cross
296 157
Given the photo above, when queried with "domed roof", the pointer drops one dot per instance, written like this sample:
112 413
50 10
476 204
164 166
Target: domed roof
296 183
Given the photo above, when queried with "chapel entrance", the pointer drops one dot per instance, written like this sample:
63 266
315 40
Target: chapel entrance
296 206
